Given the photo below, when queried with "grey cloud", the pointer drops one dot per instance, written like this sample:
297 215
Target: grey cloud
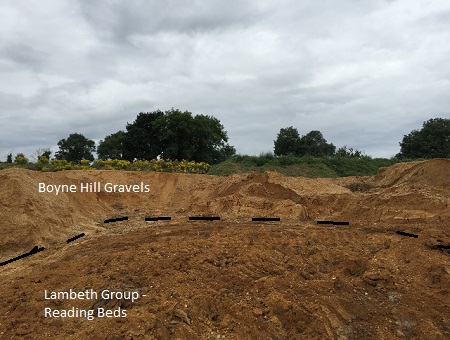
121 20
363 73
24 55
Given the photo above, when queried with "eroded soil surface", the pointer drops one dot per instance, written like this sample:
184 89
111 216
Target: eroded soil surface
233 278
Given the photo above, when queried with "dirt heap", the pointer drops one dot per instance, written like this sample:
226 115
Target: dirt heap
433 173
266 195
406 192
233 278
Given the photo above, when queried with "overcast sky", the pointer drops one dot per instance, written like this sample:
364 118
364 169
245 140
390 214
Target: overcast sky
364 73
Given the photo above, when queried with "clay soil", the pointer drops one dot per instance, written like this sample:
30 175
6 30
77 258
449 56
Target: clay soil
232 278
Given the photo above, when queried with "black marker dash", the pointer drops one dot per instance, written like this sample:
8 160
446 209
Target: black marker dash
407 234
159 218
164 218
204 218
325 222
341 223
266 219
116 219
151 219
75 238
442 246
35 250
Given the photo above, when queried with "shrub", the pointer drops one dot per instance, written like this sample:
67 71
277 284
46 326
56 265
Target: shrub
20 159
289 159
141 165
60 164
42 162
159 165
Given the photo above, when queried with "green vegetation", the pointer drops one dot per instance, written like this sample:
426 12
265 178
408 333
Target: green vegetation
306 166
21 159
289 165
75 148
112 146
432 141
162 141
313 143
175 135
158 165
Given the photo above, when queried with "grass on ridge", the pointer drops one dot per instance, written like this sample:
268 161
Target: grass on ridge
306 166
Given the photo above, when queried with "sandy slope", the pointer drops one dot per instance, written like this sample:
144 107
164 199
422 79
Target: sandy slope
233 279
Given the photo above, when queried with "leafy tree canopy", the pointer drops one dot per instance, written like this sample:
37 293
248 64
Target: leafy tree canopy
176 135
210 140
313 143
287 142
350 152
112 146
432 141
143 139
75 148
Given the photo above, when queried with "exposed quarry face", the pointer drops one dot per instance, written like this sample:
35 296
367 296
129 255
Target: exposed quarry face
32 214
230 277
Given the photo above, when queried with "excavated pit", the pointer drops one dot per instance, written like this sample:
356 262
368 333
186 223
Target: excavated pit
233 278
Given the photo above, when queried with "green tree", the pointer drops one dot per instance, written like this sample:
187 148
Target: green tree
287 142
143 138
75 148
210 140
9 158
314 144
350 152
112 146
432 141
225 151
177 135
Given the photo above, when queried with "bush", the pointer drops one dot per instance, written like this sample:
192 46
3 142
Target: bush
158 165
237 158
84 165
42 162
60 164
351 166
20 159
287 160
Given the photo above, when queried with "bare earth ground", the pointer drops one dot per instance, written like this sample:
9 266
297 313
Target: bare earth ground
233 278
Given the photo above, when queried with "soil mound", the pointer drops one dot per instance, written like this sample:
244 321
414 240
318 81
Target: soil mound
257 195
435 173
266 195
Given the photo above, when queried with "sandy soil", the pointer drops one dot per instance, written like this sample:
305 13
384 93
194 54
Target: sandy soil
233 278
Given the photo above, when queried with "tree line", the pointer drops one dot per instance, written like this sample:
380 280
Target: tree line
177 135
431 141
172 134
